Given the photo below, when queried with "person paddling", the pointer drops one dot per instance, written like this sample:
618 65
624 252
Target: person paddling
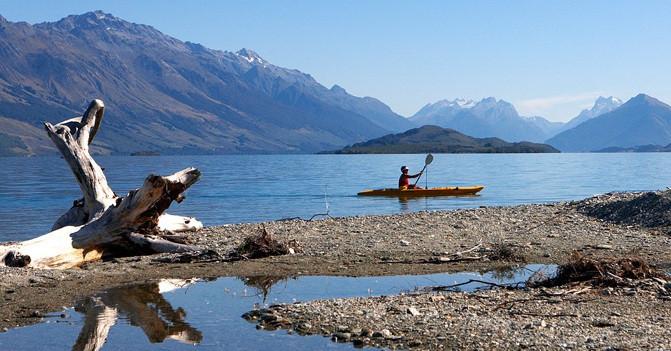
404 180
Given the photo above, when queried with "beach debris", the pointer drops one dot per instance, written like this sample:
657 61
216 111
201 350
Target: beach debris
506 252
191 257
626 271
14 259
259 246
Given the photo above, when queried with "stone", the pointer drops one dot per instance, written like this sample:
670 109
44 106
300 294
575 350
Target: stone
268 317
405 243
601 323
303 327
341 337
384 333
358 343
342 328
413 311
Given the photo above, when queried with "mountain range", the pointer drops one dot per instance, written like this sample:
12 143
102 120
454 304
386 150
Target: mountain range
166 95
486 118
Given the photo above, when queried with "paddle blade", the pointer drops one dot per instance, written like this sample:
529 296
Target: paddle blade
428 160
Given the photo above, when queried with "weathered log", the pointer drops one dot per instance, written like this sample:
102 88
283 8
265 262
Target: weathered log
101 220
138 212
156 244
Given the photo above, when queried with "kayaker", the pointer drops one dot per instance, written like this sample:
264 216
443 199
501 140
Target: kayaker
404 180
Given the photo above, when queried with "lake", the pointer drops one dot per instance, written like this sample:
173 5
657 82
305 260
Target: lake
34 192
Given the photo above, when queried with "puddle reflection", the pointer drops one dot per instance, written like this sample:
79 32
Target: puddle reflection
144 306
206 314
264 283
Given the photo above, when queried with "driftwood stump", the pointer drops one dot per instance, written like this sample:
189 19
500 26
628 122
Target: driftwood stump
102 222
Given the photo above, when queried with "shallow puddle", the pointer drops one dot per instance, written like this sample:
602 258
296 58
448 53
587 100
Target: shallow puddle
206 315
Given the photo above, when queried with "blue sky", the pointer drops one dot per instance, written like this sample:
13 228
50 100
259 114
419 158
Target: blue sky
549 58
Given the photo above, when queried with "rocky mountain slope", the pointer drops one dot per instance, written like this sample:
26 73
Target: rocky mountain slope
170 96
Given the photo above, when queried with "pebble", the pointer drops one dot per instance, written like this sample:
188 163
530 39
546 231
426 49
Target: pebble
342 337
413 311
384 333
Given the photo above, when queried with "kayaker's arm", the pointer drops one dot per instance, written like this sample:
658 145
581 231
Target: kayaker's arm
416 175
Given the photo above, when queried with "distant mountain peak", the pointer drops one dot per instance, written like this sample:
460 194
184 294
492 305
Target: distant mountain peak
604 104
91 21
338 89
644 99
601 106
606 100
458 102
251 56
95 17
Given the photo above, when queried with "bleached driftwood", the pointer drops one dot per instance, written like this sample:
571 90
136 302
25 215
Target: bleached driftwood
101 220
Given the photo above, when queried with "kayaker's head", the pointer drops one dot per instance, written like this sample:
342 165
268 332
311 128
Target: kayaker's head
404 169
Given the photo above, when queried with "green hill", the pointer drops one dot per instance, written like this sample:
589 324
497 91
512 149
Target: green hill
440 140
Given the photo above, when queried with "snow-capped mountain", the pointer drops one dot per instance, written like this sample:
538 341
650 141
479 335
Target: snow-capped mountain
250 55
488 117
601 105
442 109
643 120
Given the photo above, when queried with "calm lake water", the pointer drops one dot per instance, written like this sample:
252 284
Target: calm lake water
207 315
34 192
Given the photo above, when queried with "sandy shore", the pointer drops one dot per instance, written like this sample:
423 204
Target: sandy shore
424 242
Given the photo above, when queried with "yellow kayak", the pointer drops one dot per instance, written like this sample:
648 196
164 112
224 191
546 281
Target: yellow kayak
445 191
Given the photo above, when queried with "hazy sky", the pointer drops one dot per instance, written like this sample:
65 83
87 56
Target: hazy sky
549 58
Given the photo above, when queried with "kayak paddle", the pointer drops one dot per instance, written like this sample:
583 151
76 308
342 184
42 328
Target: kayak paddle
427 161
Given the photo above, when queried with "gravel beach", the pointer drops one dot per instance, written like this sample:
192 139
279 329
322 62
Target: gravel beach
426 242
